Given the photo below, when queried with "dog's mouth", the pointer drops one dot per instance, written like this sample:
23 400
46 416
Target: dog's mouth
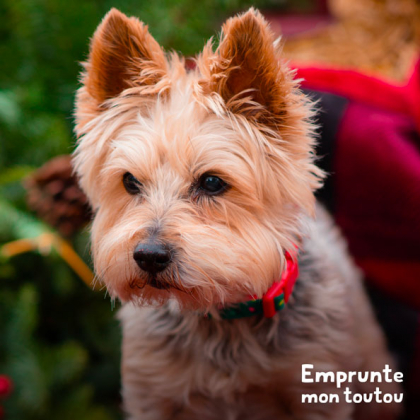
157 284
160 288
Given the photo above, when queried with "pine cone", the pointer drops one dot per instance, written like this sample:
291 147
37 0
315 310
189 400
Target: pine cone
53 193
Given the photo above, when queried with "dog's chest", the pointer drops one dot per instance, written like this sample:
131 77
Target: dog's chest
192 355
231 371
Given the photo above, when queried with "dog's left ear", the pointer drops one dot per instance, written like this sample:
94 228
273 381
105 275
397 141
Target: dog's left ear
245 70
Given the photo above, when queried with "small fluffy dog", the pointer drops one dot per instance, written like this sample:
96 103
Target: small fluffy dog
203 183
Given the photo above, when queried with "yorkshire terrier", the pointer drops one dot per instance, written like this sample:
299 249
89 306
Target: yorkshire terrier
207 229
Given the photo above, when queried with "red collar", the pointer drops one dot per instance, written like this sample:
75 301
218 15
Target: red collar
273 300
283 287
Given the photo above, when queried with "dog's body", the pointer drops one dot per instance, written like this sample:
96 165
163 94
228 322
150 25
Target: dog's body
201 183
186 366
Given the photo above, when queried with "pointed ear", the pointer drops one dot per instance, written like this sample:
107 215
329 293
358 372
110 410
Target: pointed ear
122 54
246 71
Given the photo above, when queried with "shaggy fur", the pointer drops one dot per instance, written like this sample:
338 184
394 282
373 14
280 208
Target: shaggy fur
239 116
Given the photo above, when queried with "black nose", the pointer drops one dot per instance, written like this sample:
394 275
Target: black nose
152 256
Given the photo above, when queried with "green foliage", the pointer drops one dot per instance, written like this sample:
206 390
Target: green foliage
52 373
18 224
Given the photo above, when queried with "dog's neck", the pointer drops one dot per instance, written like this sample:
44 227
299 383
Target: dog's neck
272 301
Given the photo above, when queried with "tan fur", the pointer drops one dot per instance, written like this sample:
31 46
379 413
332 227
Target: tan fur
239 116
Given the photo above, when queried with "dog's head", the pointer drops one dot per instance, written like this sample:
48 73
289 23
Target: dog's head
199 179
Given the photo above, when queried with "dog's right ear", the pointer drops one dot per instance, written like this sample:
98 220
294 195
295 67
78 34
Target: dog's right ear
122 55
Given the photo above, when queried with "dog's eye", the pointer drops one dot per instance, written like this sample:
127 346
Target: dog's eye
131 183
212 185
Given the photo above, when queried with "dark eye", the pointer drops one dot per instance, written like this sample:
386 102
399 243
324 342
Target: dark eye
212 185
131 183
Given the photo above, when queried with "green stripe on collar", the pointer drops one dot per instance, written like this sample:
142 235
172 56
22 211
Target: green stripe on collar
250 308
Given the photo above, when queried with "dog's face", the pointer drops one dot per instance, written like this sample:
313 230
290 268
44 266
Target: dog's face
198 179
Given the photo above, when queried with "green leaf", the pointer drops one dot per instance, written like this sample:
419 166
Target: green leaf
18 224
10 111
68 361
30 381
23 319
15 174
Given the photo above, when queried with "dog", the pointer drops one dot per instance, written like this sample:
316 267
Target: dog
207 229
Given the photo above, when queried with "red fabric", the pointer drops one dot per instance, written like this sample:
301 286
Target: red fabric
377 175
380 93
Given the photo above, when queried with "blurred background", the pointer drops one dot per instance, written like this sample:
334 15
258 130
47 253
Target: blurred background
59 340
